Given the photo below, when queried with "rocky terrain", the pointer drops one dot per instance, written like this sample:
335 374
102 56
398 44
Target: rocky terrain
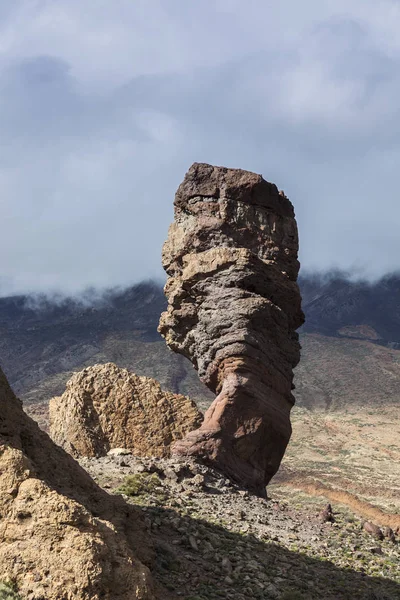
199 534
350 381
233 310
216 540
355 379
105 407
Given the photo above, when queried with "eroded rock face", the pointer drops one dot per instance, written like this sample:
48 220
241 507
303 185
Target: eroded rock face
106 407
234 306
61 536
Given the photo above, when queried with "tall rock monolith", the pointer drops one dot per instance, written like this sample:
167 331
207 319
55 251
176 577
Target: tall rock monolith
233 310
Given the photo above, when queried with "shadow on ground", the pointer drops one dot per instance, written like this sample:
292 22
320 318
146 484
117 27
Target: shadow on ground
198 560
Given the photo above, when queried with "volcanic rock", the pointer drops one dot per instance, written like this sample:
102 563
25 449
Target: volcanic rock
326 515
373 530
389 534
233 308
106 407
61 536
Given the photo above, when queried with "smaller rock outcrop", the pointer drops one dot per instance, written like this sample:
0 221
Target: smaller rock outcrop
106 407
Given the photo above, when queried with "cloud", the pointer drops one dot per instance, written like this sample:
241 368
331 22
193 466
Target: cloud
104 106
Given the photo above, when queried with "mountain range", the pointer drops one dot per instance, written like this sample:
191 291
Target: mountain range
350 342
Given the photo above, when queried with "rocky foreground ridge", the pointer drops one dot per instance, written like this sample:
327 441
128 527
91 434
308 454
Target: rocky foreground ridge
233 308
62 536
105 407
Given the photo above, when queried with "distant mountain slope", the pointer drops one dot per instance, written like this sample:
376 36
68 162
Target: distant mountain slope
349 340
335 305
42 342
335 374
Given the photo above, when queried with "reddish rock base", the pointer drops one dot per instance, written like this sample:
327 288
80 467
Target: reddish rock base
244 432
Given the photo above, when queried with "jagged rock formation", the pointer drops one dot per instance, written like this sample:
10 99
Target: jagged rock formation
105 407
61 536
234 306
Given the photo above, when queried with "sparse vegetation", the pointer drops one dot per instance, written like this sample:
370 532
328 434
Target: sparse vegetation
352 452
141 486
8 592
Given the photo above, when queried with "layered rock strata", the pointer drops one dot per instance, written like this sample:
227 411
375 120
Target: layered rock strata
61 536
106 407
233 310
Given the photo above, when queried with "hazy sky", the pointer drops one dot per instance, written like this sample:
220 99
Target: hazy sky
105 104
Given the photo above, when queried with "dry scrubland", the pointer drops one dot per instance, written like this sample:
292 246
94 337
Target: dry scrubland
346 446
351 458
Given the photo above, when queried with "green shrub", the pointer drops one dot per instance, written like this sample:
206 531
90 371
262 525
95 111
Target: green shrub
7 592
292 595
141 484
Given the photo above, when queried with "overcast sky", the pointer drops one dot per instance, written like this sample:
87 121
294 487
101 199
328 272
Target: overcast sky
105 104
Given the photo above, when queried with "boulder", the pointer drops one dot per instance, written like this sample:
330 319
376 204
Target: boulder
105 407
373 530
233 310
389 534
61 536
326 515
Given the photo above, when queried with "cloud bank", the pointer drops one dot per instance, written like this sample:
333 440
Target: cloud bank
104 106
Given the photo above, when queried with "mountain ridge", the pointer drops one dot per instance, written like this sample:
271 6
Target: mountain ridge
43 342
